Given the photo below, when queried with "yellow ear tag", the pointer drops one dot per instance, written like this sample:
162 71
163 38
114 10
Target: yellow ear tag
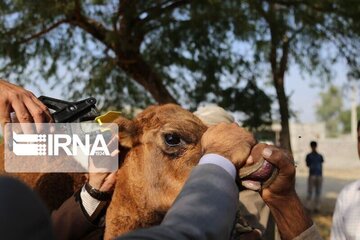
108 117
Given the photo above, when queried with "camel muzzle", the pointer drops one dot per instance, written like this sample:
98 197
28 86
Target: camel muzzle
258 176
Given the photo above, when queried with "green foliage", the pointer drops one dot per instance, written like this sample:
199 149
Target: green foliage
330 109
189 45
244 101
345 119
201 51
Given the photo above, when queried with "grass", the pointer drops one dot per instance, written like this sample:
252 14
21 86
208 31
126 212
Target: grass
323 219
323 223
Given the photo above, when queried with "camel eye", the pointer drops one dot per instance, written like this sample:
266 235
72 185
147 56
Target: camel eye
173 139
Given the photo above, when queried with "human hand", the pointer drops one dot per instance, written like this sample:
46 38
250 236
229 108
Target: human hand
271 159
99 177
104 182
280 194
283 184
229 141
24 103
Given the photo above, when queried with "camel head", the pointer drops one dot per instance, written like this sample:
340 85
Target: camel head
163 145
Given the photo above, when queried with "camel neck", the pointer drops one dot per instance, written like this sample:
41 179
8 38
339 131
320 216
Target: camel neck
125 213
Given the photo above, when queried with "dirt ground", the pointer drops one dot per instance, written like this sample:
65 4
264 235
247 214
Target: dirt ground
333 181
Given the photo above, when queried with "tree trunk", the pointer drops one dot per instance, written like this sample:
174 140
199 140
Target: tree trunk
279 39
284 113
143 74
278 72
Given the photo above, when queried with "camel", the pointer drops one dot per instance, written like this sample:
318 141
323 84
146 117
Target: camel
164 146
159 148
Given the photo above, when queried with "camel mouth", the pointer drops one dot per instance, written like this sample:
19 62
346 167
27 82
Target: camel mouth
260 178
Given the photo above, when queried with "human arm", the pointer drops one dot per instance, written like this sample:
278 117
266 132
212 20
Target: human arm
290 216
83 213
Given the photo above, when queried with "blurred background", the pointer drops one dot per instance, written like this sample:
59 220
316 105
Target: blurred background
287 69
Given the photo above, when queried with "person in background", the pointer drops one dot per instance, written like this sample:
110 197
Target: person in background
346 218
314 162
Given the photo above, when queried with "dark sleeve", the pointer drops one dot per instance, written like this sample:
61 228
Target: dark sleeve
70 220
322 158
205 209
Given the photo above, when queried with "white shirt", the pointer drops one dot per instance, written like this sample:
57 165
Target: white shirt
346 219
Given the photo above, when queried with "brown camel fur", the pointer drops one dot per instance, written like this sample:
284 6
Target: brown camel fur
151 172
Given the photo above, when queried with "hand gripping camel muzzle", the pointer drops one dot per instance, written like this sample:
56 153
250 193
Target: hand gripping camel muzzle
258 176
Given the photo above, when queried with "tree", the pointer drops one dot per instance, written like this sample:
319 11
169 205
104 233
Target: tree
311 34
329 110
188 51
295 32
125 51
61 31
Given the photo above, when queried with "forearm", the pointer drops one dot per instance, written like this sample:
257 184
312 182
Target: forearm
290 215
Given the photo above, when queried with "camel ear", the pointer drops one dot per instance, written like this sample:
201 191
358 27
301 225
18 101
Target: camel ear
128 132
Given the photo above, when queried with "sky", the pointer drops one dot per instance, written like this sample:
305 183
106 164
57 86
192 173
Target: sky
304 92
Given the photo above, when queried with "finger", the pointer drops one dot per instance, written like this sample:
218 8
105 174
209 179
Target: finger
5 113
249 161
115 153
109 183
280 158
24 116
256 154
113 144
254 161
37 113
39 116
256 151
45 110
